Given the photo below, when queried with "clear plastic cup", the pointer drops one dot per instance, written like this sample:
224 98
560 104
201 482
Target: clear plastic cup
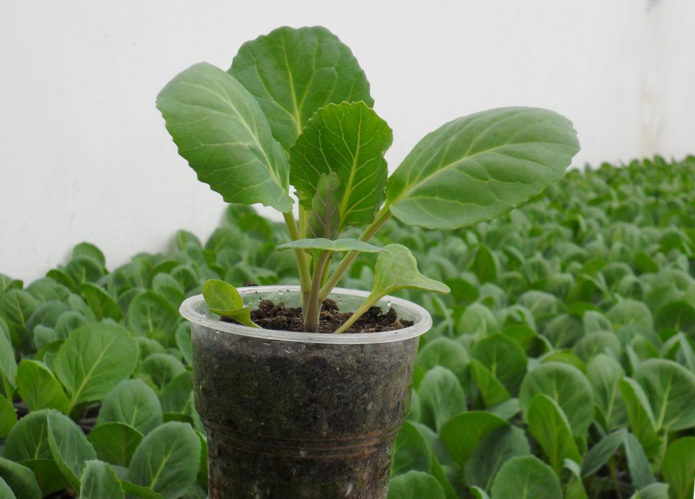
293 414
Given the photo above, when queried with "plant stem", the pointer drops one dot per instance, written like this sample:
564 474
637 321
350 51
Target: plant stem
366 305
379 221
304 276
313 310
614 476
303 221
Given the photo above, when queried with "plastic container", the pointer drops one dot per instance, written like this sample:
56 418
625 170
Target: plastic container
301 415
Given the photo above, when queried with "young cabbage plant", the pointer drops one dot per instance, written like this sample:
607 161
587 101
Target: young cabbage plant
294 109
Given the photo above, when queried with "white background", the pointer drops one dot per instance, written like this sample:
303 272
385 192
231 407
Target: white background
84 154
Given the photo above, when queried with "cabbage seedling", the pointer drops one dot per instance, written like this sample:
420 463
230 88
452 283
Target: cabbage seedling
294 109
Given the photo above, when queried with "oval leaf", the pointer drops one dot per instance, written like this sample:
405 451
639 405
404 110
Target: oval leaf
100 481
294 72
322 244
349 139
69 447
38 387
462 433
678 467
115 442
415 485
134 403
477 167
549 426
221 131
526 476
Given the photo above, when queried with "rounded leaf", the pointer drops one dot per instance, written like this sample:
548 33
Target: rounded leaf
526 476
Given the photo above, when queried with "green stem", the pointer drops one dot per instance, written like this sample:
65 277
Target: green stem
303 221
304 276
313 310
379 221
614 476
366 305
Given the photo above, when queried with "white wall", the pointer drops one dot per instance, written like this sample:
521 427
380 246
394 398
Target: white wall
84 153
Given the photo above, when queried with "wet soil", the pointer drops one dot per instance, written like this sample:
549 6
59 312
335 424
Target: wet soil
277 316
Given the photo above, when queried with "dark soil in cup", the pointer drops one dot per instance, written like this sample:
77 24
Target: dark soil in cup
277 316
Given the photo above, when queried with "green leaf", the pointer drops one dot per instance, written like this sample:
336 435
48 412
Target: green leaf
492 452
69 447
134 403
669 387
637 463
441 397
177 395
462 433
101 303
294 72
444 352
410 451
652 491
28 438
88 250
152 315
349 139
38 387
161 368
630 312
48 475
8 416
19 479
567 386
504 358
493 392
550 427
220 130
100 481
223 299
324 219
526 476
115 442
396 268
600 453
93 360
8 365
678 467
184 342
166 461
415 485
640 415
477 167
605 374
16 306
322 244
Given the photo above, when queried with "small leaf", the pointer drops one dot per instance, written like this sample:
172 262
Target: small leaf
445 352
637 463
69 447
678 467
152 315
349 139
166 461
294 72
324 220
223 299
600 453
20 479
99 481
493 392
101 303
115 442
441 397
504 358
526 476
321 244
479 166
38 387
221 131
605 374
415 485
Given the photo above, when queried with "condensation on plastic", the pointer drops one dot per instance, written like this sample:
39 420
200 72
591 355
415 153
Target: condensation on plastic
195 310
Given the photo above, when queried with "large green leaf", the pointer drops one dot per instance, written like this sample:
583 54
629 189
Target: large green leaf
99 481
669 387
477 167
94 359
134 403
415 485
6 491
567 386
28 439
549 426
69 447
441 397
16 306
350 140
294 72
167 459
526 477
678 467
463 432
152 315
492 391
640 415
447 353
504 358
38 387
221 131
